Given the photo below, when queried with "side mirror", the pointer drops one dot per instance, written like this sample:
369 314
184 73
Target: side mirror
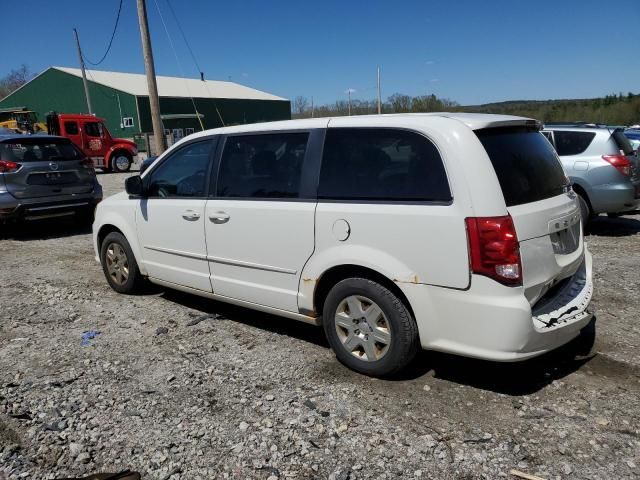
133 186
146 163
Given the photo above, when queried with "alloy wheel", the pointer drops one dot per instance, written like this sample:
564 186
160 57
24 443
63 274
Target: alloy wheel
363 328
117 263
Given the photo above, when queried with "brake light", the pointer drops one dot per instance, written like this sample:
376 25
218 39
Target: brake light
9 167
494 250
622 164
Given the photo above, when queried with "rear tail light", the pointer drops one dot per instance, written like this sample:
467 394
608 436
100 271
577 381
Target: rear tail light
494 250
9 167
622 164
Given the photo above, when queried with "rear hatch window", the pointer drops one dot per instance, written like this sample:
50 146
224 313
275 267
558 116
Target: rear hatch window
34 149
526 164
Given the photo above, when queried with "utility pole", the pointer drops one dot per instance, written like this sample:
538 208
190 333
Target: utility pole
154 101
84 75
312 106
379 95
349 93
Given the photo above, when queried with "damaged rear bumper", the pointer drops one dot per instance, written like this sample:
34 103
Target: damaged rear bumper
495 322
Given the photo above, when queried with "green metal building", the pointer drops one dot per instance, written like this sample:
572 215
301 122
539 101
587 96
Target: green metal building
186 105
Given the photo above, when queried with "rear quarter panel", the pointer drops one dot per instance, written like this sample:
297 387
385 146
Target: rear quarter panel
410 244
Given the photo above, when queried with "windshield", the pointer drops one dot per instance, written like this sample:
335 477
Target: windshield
527 167
33 149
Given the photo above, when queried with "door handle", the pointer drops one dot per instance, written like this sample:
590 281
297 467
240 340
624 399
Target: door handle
190 215
219 217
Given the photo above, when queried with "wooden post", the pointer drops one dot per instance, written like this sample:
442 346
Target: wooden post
84 74
154 101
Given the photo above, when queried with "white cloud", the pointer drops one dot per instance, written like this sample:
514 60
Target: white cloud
429 62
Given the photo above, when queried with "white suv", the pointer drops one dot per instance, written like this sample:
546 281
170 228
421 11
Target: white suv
450 232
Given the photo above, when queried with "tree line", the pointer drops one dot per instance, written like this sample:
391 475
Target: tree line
614 109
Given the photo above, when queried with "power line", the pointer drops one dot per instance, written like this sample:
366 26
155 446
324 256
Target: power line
175 54
113 34
195 61
175 18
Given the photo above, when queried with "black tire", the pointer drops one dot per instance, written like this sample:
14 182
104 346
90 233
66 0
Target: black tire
585 211
403 345
121 168
134 279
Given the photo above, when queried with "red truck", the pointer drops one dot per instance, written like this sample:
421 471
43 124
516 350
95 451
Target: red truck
90 134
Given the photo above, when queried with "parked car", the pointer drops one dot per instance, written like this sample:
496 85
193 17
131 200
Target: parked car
43 176
450 232
602 167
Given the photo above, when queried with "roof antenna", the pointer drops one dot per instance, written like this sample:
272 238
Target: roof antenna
202 76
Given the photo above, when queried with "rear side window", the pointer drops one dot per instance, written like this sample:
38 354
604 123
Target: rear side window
71 128
527 167
39 150
622 142
379 164
572 143
262 166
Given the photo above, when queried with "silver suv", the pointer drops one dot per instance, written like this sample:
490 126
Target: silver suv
601 165
42 176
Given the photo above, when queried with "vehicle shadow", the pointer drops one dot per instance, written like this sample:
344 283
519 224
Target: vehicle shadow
43 229
264 321
614 227
514 379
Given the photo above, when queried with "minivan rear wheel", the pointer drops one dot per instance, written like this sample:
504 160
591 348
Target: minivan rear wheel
369 328
119 265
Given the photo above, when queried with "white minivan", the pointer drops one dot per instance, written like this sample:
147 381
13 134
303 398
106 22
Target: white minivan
445 231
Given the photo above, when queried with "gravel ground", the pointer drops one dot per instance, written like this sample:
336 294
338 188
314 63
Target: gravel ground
178 387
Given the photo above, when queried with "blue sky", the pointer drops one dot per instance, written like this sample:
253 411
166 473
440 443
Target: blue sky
469 51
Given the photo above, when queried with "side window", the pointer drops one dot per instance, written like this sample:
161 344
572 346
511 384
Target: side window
71 128
183 174
262 166
93 129
381 164
572 143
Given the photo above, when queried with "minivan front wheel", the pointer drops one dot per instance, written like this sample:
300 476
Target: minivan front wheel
369 327
119 265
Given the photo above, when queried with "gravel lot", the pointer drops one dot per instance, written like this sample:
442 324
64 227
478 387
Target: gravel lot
178 387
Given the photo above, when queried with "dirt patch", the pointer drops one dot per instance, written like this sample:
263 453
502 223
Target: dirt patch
225 392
